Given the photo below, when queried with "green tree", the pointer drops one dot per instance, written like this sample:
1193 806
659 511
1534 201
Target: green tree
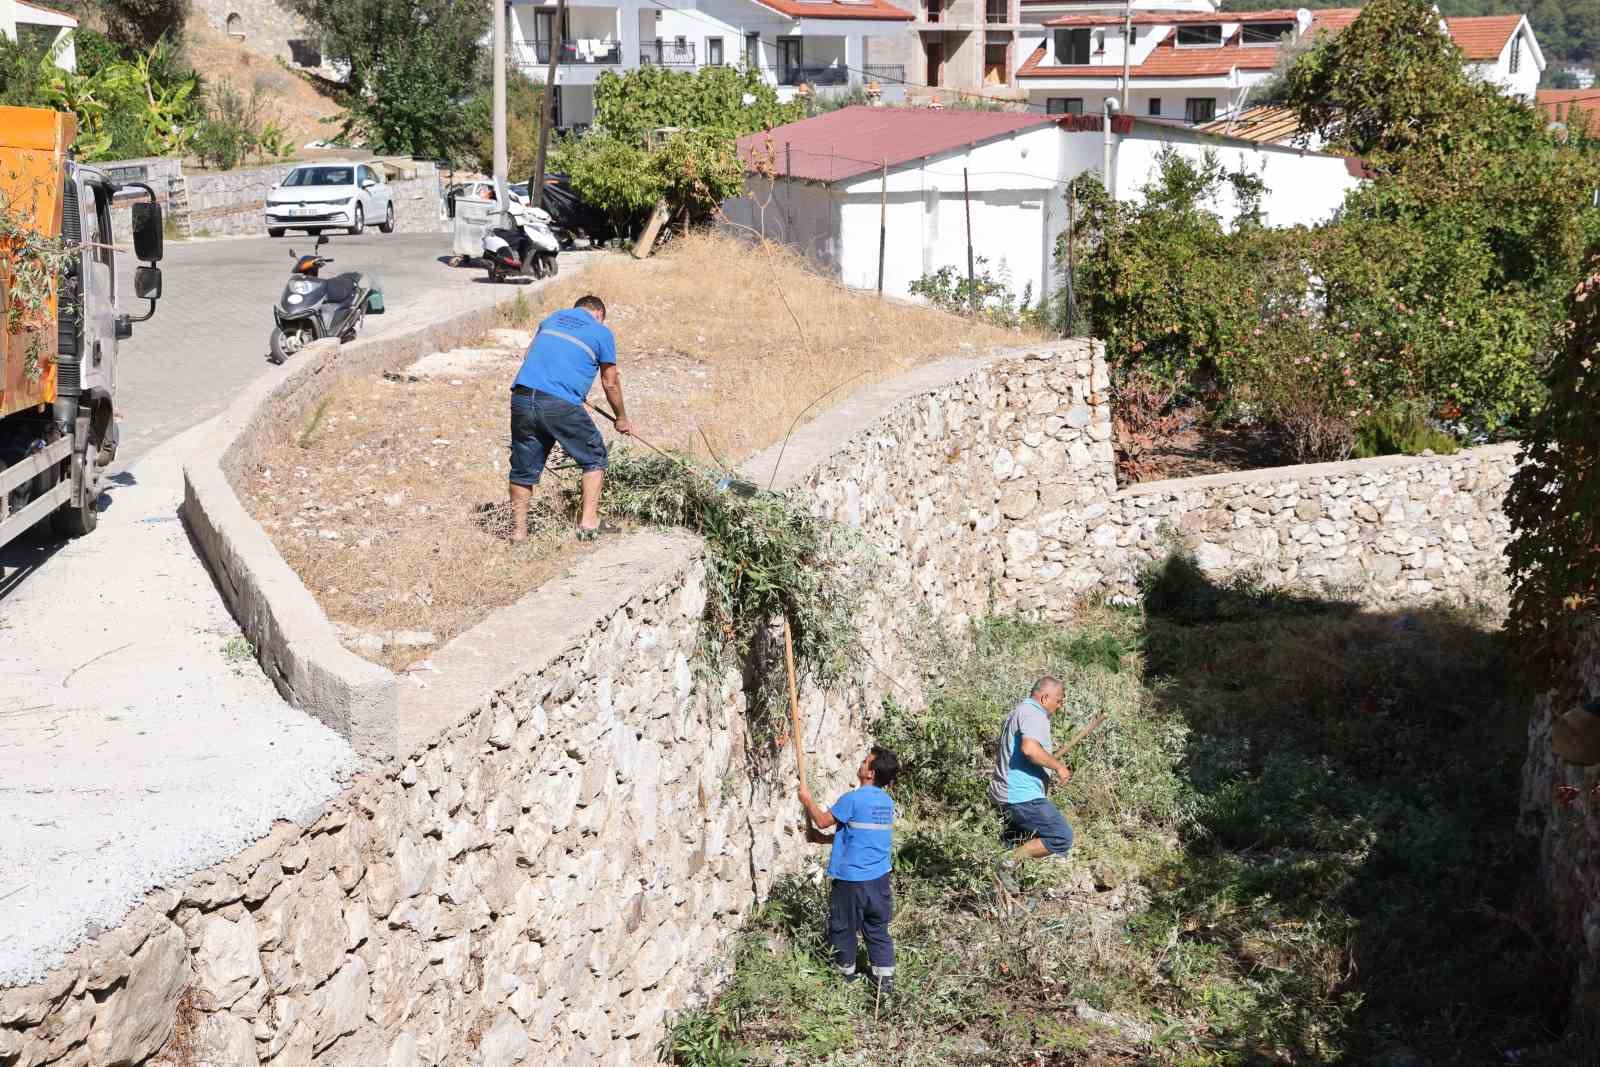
136 25
412 65
1554 502
732 100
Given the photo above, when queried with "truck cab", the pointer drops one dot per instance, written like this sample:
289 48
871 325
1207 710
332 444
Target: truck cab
58 365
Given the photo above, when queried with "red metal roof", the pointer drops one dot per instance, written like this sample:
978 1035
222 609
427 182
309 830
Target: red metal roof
880 10
1172 18
1483 36
1578 108
857 140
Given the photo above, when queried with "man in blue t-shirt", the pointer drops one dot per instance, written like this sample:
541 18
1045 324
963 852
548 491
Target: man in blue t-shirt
568 350
860 898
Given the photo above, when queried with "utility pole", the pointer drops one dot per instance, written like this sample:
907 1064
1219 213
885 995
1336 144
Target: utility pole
883 220
972 283
500 104
1127 49
548 116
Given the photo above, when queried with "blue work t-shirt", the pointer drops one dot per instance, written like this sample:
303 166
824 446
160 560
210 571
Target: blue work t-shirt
861 844
566 354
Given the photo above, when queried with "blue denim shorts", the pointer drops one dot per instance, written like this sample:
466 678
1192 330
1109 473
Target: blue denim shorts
1042 819
538 422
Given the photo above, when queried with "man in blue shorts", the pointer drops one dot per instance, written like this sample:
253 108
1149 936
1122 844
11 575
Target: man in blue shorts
1022 765
569 349
861 898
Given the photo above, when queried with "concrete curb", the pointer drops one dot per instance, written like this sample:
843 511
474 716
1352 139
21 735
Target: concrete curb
294 641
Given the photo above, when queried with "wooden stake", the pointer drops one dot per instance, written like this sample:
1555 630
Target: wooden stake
794 704
548 116
1081 734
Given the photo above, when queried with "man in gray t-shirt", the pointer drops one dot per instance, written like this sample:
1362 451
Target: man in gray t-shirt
1022 762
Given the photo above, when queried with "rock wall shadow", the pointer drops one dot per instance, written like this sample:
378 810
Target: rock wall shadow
1353 855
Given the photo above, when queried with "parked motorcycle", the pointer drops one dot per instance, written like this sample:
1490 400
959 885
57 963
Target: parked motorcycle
527 247
314 307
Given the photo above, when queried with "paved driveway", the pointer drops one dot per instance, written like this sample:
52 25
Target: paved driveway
209 335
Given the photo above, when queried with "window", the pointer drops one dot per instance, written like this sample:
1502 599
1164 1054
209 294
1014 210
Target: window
1064 105
681 44
305 52
1199 36
935 7
235 25
1155 105
1199 109
996 58
752 50
1516 53
658 14
714 51
1073 47
1133 36
1265 32
1099 40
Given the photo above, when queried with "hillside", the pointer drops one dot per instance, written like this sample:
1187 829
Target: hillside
291 101
1568 30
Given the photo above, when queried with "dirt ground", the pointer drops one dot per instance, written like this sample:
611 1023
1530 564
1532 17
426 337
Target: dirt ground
387 500
290 100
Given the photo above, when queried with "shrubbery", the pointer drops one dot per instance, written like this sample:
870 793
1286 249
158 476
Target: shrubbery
1429 303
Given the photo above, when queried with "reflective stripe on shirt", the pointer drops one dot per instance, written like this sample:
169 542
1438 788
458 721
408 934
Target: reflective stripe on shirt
869 825
562 335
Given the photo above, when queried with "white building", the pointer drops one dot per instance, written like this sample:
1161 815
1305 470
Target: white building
820 184
45 24
1200 65
821 43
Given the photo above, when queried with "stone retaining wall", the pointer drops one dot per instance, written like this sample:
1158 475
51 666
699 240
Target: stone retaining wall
568 819
1568 831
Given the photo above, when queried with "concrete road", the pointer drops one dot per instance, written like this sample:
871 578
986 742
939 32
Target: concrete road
209 334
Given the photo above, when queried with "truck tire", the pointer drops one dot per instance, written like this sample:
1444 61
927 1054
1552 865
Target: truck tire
387 225
76 520
358 222
271 232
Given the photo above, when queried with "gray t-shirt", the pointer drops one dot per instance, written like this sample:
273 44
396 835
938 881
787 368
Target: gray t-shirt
1017 779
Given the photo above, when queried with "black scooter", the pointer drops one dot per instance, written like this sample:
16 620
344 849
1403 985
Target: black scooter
313 307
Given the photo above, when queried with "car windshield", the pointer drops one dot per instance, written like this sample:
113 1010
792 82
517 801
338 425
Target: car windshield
320 176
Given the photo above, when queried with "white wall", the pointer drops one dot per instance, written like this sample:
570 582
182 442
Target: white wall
1525 82
1302 188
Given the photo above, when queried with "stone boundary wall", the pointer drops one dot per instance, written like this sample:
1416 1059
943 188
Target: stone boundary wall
232 202
1389 529
1568 834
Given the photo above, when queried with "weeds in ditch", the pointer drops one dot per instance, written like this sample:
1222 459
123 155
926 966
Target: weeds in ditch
1296 844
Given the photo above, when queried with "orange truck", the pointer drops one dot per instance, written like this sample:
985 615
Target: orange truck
62 321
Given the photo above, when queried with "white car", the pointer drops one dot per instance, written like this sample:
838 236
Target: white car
324 196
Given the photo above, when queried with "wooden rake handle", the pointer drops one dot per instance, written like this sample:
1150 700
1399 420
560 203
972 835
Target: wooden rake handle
1079 737
794 704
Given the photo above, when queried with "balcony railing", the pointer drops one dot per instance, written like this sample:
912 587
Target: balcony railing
576 53
893 73
667 54
814 76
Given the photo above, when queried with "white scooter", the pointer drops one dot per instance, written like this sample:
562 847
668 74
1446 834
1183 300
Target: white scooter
527 247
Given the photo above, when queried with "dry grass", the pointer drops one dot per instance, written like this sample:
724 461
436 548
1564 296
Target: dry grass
374 500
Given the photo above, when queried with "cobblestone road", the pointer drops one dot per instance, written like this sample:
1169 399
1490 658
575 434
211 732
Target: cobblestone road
209 335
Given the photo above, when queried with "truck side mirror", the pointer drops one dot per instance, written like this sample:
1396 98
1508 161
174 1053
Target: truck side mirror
147 283
148 237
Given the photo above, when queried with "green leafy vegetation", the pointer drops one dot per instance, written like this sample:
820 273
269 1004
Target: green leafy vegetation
235 128
411 64
1296 844
623 166
128 103
1554 502
1435 294
984 295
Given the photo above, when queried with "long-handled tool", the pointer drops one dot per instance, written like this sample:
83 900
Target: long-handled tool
1079 737
794 704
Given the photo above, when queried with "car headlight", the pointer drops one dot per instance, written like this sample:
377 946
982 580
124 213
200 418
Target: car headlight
301 286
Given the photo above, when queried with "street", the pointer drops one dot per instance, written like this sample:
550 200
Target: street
209 334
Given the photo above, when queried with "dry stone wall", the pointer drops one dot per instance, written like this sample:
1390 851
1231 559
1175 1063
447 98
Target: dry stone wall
542 881
1561 810
554 859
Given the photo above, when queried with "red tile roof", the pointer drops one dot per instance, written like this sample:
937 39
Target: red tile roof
1572 106
1166 60
1483 36
1479 38
858 140
882 10
1170 18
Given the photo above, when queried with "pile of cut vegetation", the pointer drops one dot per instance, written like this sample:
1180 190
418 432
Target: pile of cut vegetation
376 499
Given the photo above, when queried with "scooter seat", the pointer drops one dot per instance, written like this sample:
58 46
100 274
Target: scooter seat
341 287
